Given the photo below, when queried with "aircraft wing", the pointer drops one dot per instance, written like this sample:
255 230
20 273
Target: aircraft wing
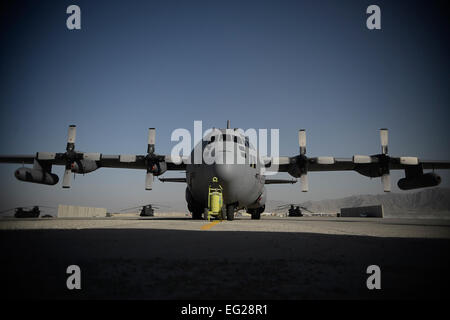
25 159
136 162
378 165
348 164
104 161
172 180
279 181
82 162
395 163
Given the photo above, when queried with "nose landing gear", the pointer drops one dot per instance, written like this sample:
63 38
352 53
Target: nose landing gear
230 212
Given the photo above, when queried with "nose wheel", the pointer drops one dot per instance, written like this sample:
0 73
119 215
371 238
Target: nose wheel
230 212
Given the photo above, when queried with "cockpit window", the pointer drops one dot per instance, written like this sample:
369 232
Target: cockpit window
238 140
227 137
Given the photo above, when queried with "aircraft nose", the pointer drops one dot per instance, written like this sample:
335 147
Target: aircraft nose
224 172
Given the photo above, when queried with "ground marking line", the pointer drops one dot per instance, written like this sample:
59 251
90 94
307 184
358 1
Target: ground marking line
209 225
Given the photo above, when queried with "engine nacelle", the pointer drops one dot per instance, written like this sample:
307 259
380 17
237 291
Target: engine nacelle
36 176
421 181
159 168
84 166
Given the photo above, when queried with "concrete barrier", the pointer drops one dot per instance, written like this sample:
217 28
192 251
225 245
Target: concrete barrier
65 211
369 211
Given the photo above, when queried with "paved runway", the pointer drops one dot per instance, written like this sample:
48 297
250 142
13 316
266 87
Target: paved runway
178 258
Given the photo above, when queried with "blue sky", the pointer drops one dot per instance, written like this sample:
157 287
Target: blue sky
261 64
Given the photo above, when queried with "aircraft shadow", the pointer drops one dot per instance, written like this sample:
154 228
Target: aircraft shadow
179 264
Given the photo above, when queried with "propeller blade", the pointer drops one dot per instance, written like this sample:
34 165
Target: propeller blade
304 182
151 140
384 137
148 181
7 210
302 140
126 209
161 205
66 178
71 136
386 181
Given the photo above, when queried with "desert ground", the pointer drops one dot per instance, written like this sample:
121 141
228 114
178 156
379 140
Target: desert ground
174 257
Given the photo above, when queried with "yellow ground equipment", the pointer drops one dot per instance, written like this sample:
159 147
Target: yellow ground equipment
215 199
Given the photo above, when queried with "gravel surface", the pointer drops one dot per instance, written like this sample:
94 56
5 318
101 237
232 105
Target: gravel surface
178 258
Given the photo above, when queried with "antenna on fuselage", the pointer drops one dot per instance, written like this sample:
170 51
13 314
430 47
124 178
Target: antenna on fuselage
228 124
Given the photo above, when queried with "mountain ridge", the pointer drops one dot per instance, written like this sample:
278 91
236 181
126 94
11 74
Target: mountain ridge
427 200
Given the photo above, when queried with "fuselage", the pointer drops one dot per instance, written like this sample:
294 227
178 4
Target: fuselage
228 155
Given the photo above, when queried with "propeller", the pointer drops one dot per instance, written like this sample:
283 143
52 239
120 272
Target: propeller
153 161
26 208
154 206
155 164
383 160
150 154
385 177
303 160
285 206
70 157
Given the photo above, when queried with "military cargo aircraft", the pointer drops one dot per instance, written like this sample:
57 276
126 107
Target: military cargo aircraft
242 184
27 212
146 210
295 210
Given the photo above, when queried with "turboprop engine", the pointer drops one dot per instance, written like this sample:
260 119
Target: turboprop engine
36 176
84 166
421 181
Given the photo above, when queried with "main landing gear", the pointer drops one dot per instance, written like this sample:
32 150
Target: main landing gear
256 213
230 212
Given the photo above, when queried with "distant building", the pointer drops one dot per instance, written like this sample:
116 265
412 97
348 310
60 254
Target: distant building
369 211
80 212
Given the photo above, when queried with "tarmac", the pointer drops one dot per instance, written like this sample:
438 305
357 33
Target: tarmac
179 258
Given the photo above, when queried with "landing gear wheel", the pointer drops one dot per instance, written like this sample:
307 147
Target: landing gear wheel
196 215
223 214
256 215
230 213
205 214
